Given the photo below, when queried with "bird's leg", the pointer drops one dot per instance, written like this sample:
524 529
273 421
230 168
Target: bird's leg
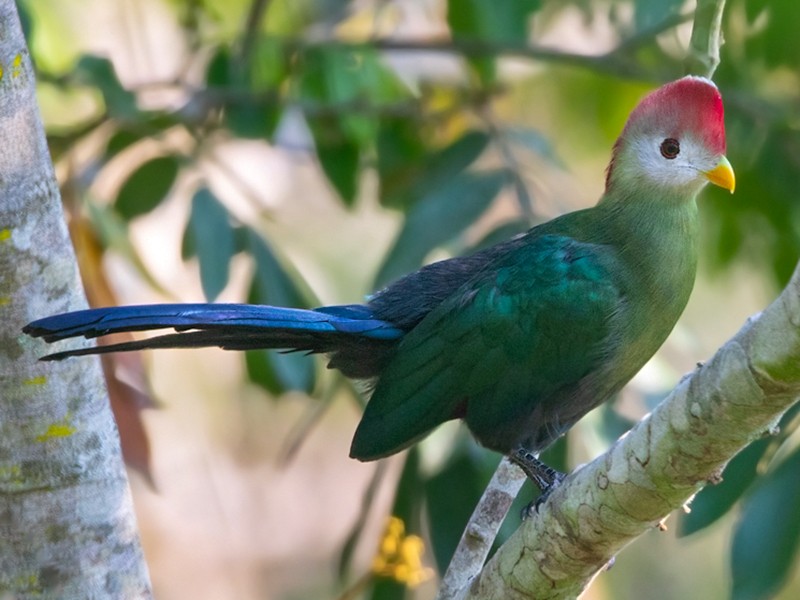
544 477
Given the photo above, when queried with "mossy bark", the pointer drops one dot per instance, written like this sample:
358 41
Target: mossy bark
67 527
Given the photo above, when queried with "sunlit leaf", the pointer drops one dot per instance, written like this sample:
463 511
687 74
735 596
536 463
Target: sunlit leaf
344 90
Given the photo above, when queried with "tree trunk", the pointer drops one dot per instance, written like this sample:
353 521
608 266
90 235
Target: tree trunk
67 527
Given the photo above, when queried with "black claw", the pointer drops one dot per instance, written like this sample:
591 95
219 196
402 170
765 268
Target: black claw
544 477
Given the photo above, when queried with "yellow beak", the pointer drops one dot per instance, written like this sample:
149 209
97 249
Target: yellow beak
722 175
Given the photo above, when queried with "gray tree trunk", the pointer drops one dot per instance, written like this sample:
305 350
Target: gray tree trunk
67 527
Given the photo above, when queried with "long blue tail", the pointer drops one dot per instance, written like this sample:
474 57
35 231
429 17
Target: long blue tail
340 330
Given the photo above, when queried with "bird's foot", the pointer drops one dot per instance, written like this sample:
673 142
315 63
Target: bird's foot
544 477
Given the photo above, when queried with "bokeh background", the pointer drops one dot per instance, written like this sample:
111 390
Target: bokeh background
306 152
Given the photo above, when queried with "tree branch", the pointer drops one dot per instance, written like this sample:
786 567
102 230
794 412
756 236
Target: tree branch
481 531
615 62
661 463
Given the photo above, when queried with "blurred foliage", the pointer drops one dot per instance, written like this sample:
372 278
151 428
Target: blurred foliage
442 159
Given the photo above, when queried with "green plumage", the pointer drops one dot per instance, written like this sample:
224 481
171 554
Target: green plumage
544 332
519 340
525 338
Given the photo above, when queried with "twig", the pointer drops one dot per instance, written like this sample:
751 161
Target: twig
706 40
481 531
252 24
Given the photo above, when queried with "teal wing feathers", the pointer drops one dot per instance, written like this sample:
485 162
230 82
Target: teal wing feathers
519 335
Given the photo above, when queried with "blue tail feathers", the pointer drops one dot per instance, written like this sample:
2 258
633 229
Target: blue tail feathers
231 326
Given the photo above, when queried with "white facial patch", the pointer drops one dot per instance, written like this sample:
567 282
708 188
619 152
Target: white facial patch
644 164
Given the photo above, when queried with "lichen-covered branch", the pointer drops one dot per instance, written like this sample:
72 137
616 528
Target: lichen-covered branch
736 397
481 531
67 528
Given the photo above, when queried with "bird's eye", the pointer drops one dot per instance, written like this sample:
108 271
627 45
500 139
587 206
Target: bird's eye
670 148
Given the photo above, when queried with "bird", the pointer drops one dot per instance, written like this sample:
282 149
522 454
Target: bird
519 340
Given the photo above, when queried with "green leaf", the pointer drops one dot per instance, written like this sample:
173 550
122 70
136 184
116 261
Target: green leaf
449 512
408 496
344 90
714 501
439 217
408 507
505 21
275 371
269 64
401 187
253 102
765 541
339 159
209 223
120 140
401 159
271 283
146 187
218 70
446 164
100 73
776 42
252 118
241 241
760 221
348 85
647 14
357 530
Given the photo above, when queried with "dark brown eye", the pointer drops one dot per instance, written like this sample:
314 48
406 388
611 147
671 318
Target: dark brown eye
670 148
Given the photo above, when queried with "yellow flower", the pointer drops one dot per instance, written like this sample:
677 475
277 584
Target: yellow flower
400 556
